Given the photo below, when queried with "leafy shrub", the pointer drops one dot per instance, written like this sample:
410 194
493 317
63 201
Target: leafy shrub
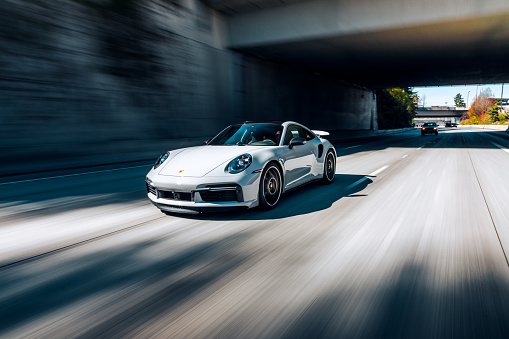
494 111
485 119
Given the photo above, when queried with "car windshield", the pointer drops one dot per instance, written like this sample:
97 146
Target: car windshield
258 134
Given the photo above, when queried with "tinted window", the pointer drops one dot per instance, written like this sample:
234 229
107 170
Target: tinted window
249 134
294 131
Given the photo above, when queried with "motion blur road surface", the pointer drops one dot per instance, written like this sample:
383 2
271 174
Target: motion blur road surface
410 241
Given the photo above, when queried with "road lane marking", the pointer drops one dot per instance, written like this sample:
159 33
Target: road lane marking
379 170
79 243
71 175
488 208
352 146
500 146
403 157
366 177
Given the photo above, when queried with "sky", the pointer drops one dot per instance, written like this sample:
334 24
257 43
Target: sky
444 96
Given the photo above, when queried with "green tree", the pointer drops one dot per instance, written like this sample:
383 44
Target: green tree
458 101
494 111
396 107
502 117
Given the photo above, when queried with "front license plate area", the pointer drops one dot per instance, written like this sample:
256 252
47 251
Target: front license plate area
172 195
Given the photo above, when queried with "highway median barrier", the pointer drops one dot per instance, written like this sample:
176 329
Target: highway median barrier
491 127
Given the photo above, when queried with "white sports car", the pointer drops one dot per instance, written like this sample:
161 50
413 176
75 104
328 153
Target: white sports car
244 166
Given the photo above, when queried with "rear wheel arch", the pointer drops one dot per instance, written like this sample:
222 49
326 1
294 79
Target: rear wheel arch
329 173
333 151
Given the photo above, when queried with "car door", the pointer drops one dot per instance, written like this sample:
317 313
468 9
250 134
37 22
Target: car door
299 159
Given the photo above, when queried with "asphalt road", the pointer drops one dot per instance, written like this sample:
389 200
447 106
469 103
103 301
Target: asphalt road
410 241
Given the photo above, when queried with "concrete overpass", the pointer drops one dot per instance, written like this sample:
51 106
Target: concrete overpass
378 43
452 115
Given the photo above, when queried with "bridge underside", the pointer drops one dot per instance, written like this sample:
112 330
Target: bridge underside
457 50
468 52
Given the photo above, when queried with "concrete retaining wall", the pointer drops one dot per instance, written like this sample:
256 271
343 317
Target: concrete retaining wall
492 127
273 91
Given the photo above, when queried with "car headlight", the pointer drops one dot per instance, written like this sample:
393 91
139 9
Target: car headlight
239 164
161 159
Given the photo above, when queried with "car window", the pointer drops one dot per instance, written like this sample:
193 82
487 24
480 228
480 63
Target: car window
294 131
308 134
258 134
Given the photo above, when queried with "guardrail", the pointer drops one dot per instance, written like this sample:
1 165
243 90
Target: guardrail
396 130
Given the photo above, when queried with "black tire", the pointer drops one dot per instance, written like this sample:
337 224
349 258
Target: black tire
329 168
436 133
422 134
270 188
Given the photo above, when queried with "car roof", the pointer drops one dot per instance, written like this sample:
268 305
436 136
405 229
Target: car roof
262 122
282 123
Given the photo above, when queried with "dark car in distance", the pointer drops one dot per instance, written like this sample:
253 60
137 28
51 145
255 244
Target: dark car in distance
429 128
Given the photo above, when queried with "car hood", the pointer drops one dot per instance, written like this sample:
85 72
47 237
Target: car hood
200 160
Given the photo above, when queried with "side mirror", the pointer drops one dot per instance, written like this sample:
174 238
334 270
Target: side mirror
296 142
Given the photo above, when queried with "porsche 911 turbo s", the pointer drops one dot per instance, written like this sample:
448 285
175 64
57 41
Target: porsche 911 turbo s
244 166
429 128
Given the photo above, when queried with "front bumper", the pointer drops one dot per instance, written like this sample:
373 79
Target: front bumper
194 195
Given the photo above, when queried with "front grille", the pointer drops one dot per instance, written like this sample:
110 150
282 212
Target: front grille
151 189
182 196
221 192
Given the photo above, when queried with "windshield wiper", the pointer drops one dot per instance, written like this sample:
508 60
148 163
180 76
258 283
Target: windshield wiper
240 144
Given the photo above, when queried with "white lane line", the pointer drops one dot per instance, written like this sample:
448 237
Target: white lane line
379 170
403 157
71 175
352 146
366 177
500 146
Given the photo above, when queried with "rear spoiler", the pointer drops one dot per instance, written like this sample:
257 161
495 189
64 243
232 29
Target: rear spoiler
321 133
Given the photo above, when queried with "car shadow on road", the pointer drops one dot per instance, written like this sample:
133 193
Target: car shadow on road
306 199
